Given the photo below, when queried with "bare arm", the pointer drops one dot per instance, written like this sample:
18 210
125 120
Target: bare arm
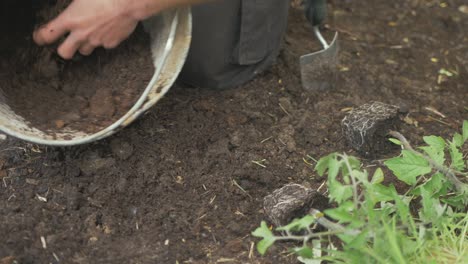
146 8
96 23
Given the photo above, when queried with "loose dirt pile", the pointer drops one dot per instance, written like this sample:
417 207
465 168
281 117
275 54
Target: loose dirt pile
85 93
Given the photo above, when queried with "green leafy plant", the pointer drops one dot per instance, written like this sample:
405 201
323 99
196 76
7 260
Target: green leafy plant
376 224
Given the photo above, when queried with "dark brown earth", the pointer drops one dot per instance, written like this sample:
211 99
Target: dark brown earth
186 182
85 94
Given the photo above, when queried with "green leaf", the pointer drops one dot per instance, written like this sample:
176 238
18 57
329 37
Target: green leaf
264 245
437 143
361 176
408 167
381 193
298 224
437 156
465 130
333 168
309 261
304 252
346 238
359 241
436 185
427 205
378 176
435 149
456 157
342 213
263 231
409 247
392 236
395 141
458 140
459 201
317 252
354 162
402 207
432 210
268 238
339 192
322 164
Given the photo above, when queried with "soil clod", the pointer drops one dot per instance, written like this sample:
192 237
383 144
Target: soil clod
122 149
366 127
291 201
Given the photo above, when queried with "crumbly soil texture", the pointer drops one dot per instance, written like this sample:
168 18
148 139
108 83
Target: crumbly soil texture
84 94
185 183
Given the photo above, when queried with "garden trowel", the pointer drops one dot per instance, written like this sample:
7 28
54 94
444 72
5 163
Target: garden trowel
318 69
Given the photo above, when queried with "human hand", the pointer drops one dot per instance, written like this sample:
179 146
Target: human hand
89 24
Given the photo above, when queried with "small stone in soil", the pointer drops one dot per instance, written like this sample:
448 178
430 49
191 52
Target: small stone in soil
122 149
101 104
90 166
234 246
366 128
59 124
290 202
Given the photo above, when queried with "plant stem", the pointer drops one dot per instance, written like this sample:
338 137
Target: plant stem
309 236
355 192
459 186
332 226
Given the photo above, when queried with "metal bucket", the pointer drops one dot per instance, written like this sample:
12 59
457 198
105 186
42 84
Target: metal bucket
170 34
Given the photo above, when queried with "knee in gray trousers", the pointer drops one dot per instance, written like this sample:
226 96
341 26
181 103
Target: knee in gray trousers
233 41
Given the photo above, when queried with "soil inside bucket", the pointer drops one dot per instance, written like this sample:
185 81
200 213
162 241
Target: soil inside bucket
84 94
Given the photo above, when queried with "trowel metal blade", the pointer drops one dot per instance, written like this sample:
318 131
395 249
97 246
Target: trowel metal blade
318 69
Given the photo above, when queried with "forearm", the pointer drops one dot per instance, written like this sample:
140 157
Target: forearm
88 24
145 8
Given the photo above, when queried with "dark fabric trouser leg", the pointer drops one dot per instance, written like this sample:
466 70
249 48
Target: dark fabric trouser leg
233 40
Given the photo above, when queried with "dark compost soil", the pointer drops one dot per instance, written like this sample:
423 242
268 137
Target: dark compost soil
186 182
84 94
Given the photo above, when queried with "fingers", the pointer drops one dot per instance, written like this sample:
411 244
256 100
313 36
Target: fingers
83 37
112 38
86 49
51 32
69 47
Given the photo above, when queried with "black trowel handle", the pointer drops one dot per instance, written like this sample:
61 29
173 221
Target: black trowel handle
315 11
